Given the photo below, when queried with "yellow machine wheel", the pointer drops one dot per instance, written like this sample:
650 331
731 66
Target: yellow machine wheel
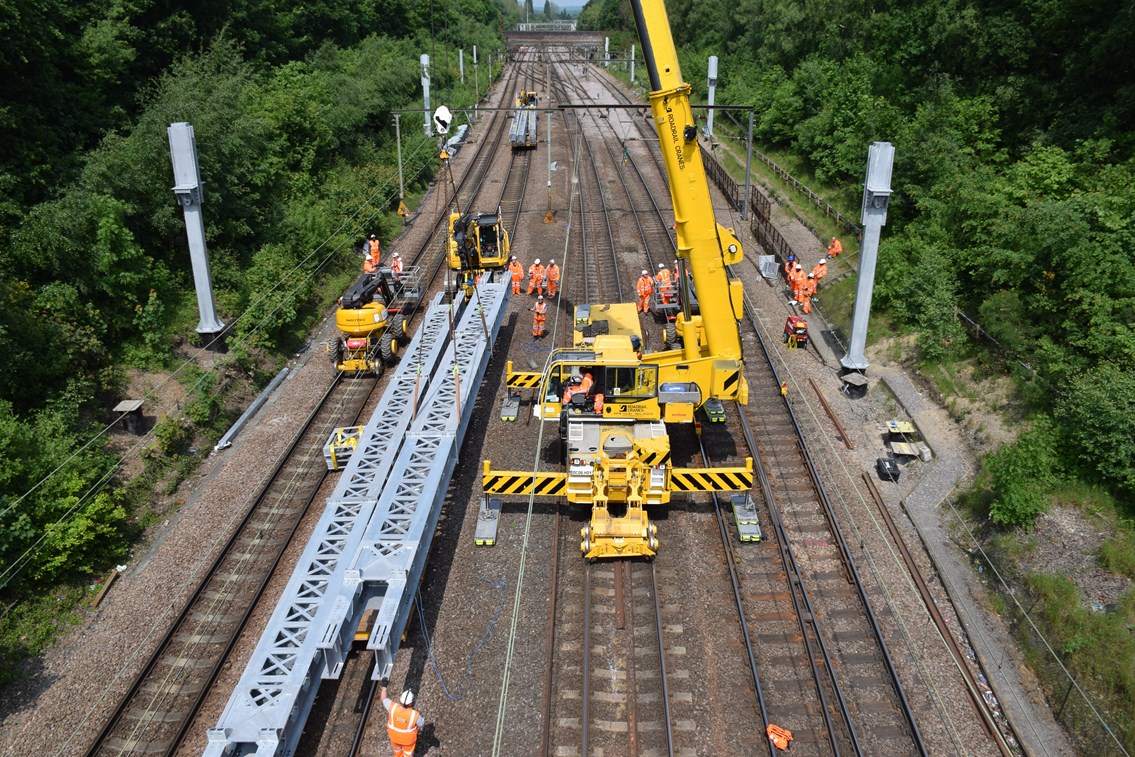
388 347
585 539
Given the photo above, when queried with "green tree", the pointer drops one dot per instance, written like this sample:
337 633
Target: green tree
1021 476
1096 413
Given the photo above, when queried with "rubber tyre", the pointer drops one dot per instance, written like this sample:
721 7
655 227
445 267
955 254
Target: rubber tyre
388 347
335 350
399 329
670 337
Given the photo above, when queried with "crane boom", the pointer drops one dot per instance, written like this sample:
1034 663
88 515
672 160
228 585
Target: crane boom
706 245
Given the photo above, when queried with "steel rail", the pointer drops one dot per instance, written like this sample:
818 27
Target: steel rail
248 521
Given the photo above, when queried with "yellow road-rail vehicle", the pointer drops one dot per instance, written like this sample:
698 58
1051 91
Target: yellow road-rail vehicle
477 242
373 320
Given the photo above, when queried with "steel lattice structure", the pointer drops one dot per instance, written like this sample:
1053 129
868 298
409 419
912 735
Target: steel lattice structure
373 538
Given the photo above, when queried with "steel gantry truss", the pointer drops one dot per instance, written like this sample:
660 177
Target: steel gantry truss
371 543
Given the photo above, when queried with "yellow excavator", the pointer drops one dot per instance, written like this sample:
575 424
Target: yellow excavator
613 402
373 318
478 242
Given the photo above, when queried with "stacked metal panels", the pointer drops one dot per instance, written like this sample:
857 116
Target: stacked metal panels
522 131
372 541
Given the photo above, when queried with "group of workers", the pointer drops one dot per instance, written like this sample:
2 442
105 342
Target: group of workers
804 286
540 278
665 282
373 259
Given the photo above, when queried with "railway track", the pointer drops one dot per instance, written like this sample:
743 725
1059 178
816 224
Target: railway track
161 703
794 600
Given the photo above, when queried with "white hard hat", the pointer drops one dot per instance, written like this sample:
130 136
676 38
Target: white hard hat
537 261
407 697
513 257
823 261
811 275
540 297
661 266
397 255
552 261
644 273
798 267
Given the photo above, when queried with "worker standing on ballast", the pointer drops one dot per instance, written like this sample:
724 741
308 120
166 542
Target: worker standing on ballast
517 272
374 251
402 722
807 290
820 271
553 275
797 280
645 287
536 278
662 283
539 317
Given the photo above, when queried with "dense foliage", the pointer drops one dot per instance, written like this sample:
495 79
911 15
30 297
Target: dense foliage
292 111
1014 181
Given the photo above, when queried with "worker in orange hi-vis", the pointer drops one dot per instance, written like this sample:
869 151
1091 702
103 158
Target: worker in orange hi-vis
368 265
645 287
539 317
797 280
807 291
517 272
779 736
396 263
374 250
536 278
834 248
662 283
553 275
402 722
820 271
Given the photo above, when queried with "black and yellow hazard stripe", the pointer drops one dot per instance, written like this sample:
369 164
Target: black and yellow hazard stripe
730 382
710 480
517 483
655 458
524 379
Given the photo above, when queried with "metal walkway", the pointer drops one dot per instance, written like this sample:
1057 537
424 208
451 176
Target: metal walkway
373 538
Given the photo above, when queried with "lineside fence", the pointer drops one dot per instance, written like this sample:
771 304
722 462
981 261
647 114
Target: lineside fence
760 217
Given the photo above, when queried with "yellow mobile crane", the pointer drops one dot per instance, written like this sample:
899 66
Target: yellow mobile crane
613 402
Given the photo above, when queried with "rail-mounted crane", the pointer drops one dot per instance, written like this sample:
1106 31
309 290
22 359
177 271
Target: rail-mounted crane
617 449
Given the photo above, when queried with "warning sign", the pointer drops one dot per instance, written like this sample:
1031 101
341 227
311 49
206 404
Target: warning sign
402 209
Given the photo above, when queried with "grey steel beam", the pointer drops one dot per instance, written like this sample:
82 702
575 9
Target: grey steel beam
373 538
276 684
